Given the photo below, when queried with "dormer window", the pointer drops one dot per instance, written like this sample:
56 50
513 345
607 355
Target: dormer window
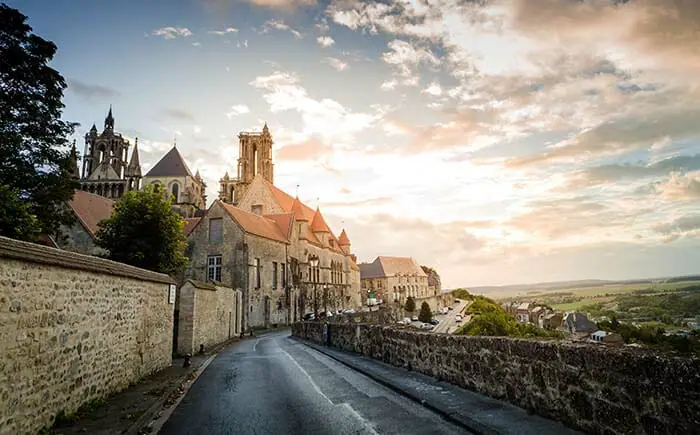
257 209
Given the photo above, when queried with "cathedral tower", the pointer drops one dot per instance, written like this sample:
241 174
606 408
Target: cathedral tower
254 159
105 162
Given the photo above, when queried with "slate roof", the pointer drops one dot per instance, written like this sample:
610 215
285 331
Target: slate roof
171 165
90 209
390 266
258 225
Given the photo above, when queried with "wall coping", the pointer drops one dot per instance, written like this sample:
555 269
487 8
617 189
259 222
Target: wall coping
32 252
201 285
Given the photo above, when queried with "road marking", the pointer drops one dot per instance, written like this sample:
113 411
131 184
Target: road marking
364 422
255 344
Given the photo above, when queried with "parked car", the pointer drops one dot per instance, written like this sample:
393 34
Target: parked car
414 318
435 321
427 326
458 318
449 308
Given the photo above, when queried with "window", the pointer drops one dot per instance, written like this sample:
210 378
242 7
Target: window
215 230
175 191
274 275
257 209
214 268
257 273
283 274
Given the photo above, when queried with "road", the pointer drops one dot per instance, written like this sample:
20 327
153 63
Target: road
276 385
448 324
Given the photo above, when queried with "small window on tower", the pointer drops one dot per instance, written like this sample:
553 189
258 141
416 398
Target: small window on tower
257 209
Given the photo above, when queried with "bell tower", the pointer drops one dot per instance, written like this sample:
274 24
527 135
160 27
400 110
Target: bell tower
254 159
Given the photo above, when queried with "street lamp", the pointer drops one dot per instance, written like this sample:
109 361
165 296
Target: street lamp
313 262
325 299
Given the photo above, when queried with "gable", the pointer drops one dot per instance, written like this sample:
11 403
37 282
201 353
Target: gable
104 171
259 193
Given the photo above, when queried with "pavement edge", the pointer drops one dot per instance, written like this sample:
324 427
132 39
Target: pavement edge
457 418
148 417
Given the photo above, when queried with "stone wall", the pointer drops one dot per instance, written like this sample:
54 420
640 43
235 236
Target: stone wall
207 315
76 238
591 387
74 328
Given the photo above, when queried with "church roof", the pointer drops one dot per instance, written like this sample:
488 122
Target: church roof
390 266
134 168
343 240
283 221
90 209
254 224
286 201
298 211
171 165
318 224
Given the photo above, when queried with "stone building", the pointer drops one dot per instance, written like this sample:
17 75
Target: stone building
172 175
89 209
281 253
393 279
105 171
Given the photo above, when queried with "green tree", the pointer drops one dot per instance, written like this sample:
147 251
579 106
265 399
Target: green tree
34 152
425 314
144 231
410 304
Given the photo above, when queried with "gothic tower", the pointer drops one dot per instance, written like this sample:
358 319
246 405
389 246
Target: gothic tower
105 170
255 159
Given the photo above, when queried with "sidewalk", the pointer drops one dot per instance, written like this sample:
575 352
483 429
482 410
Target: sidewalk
475 412
133 409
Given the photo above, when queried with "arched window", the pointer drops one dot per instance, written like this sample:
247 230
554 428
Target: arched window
175 190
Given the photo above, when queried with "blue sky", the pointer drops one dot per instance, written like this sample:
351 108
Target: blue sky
499 142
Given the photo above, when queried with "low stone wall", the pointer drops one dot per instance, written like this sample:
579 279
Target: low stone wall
593 388
207 315
74 328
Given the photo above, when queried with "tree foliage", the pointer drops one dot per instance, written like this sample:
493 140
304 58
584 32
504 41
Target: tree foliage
34 153
463 294
144 231
410 305
425 315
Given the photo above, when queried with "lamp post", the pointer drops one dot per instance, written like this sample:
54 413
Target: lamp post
313 262
325 299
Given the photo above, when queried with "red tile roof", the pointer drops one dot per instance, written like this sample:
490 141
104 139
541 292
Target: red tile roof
190 223
287 202
318 224
254 224
298 211
90 209
343 241
283 221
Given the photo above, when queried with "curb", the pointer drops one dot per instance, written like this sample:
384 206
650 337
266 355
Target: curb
459 419
148 417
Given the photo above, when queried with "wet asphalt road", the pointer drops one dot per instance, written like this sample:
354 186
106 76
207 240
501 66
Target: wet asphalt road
275 385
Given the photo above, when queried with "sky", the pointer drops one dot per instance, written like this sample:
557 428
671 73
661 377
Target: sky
500 142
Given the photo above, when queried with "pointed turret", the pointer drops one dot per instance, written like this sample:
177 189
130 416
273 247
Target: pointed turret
266 131
318 224
298 211
197 176
344 242
134 167
74 171
93 130
109 120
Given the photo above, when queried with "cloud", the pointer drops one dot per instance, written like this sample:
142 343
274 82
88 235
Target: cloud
196 44
681 187
172 32
433 89
91 92
381 200
325 41
279 25
226 31
336 63
308 149
325 118
404 56
178 115
238 109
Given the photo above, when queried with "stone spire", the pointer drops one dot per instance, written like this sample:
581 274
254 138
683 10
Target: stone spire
109 120
134 168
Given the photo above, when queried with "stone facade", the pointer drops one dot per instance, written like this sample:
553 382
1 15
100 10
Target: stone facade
207 315
74 328
77 239
593 388
394 279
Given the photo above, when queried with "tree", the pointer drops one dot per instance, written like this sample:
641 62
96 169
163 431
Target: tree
34 153
145 232
410 304
425 314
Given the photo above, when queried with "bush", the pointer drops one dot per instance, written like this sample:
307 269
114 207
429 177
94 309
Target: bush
410 304
425 314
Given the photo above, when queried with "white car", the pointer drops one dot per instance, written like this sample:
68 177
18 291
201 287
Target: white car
458 318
